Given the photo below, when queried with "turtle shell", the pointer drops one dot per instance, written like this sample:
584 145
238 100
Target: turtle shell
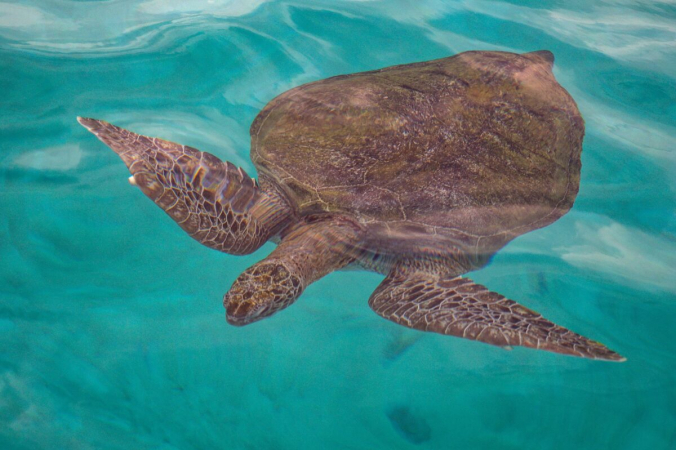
468 151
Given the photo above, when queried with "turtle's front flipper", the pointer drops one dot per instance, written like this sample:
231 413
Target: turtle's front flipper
217 203
306 254
459 307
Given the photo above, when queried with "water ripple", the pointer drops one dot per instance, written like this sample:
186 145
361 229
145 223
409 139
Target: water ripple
111 321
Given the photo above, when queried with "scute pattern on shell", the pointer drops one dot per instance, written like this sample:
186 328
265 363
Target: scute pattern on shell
477 148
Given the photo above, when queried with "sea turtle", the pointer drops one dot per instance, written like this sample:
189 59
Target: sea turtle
420 172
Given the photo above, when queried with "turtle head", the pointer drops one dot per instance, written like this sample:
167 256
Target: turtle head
305 253
261 291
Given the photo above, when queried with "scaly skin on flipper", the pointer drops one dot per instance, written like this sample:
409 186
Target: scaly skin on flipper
217 203
459 307
308 252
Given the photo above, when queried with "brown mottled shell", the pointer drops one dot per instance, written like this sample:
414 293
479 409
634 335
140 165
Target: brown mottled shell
470 151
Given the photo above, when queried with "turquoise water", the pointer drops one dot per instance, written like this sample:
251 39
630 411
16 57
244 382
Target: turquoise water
112 330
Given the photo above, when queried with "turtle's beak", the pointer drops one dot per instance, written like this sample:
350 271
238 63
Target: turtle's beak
243 312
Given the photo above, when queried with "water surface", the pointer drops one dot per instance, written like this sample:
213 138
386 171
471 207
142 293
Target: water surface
111 325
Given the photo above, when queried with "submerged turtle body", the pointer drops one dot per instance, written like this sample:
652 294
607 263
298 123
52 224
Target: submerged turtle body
420 172
469 151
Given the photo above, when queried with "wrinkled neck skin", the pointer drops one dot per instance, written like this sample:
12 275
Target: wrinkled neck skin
278 207
379 252
274 211
308 250
344 239
335 239
451 265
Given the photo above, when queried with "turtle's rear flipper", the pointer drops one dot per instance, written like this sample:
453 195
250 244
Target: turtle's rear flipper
459 307
217 203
